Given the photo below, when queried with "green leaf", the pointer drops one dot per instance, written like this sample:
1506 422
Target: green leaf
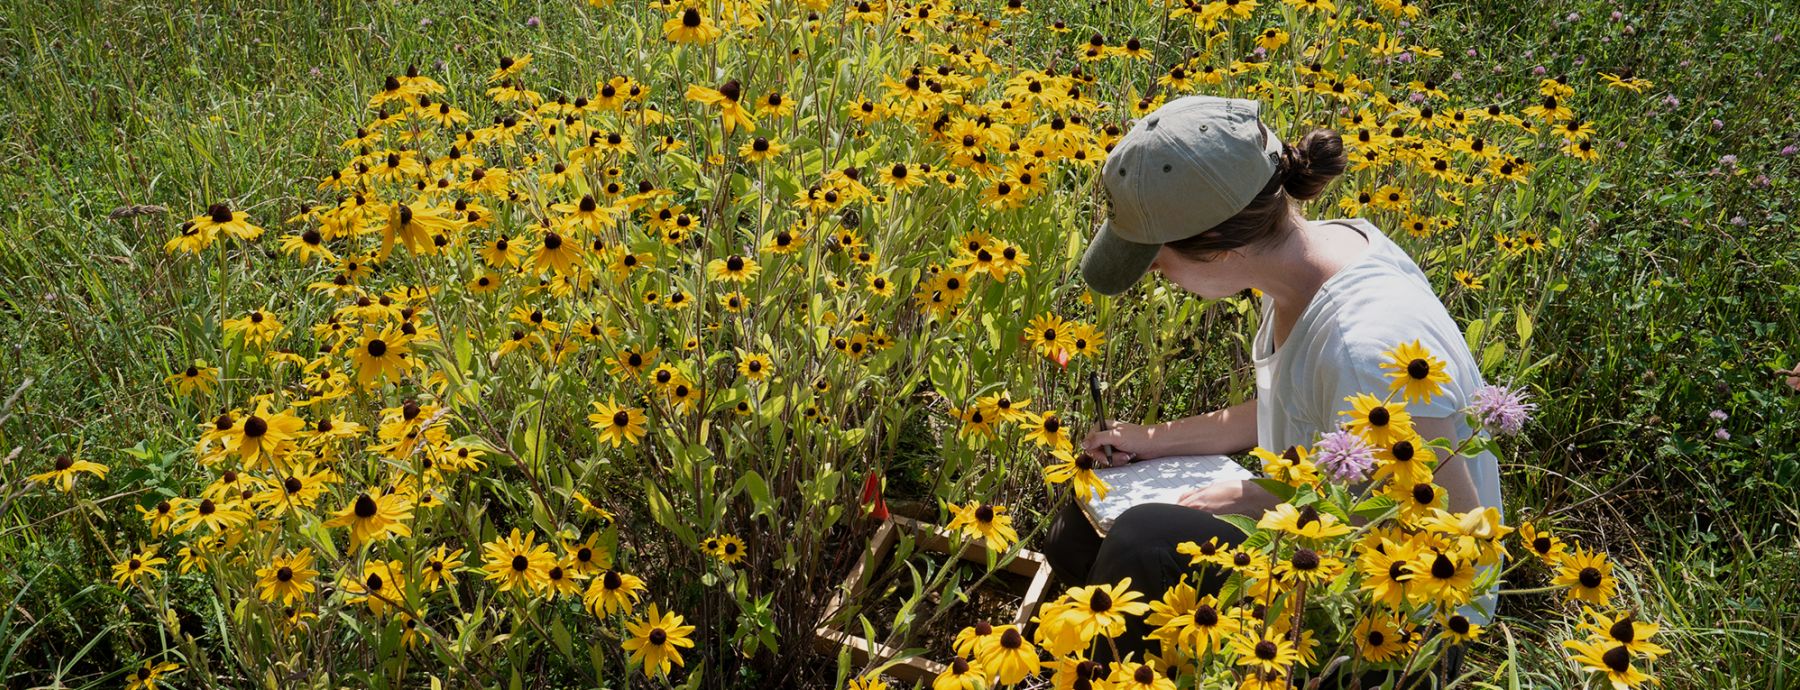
1374 507
1522 324
1244 524
1491 356
560 635
1281 490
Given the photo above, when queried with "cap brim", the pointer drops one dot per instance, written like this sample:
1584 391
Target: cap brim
1113 264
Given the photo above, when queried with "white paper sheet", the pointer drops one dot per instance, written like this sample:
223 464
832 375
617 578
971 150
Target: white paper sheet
1158 480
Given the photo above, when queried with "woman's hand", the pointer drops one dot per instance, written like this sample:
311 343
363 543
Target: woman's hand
1230 497
1129 442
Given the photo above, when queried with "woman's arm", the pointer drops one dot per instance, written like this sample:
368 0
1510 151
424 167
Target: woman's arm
1220 432
1452 474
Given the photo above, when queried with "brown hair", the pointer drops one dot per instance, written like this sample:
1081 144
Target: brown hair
1302 174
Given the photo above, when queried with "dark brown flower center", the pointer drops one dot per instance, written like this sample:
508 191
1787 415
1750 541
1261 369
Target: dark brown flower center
1378 416
1267 651
1144 675
1418 369
365 507
1442 568
1305 560
1100 601
377 347
1618 659
284 574
520 563
1458 625
1590 577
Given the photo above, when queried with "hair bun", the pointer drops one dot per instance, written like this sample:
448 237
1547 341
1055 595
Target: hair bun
1306 169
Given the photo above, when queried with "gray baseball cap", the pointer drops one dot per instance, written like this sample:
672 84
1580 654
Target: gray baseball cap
1184 168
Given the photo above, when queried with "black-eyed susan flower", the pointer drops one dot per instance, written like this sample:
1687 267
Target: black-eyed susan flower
1611 660
1310 566
150 676
617 424
761 149
1442 577
1542 544
1130 675
656 641
729 549
374 518
584 558
1268 651
440 568
1588 575
1046 430
1049 335
286 578
613 592
381 585
1305 522
1294 466
136 566
63 470
733 268
257 328
1387 572
308 246
755 366
517 562
732 113
220 218
1417 374
961 674
1623 629
1380 638
987 522
1382 423
381 354
1078 472
691 26
1101 609
215 516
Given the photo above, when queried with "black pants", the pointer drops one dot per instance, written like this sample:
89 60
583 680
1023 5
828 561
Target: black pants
1141 545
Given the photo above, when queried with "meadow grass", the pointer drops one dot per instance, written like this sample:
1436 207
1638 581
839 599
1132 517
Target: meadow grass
1673 296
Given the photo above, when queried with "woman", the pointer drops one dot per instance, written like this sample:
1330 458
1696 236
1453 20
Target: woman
1203 194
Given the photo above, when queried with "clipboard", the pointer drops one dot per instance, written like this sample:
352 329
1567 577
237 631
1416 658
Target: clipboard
1157 480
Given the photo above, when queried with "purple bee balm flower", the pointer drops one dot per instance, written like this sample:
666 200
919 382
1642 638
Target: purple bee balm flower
1717 415
1502 410
1789 151
1721 434
1728 160
1344 456
1538 71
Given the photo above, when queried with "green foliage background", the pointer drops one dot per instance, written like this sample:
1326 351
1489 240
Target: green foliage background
1671 308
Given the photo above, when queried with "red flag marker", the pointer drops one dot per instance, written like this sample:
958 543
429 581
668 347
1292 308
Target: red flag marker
872 493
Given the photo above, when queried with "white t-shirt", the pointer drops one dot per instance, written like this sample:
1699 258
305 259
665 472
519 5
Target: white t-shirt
1335 351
